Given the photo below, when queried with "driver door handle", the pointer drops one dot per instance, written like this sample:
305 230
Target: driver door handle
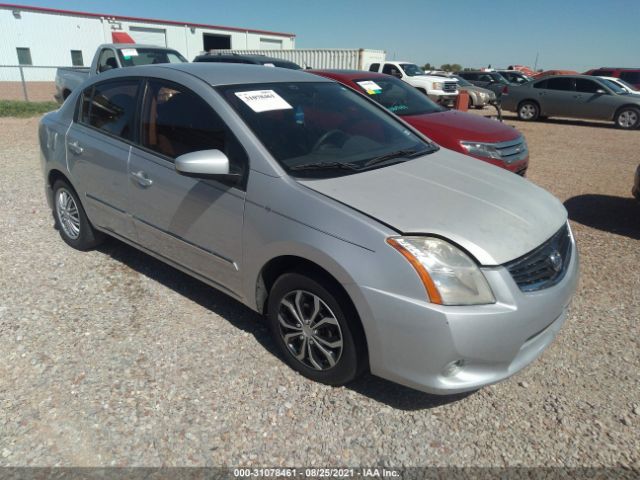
142 179
75 147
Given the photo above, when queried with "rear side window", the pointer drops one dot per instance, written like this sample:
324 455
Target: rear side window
630 77
541 84
375 67
560 83
110 107
586 86
176 121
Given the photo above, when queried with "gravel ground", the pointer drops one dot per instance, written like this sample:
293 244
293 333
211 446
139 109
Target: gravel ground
112 358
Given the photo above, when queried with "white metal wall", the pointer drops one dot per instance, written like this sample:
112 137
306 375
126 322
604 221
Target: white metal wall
351 59
52 36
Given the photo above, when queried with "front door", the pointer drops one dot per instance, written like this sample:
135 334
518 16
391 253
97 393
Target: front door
194 222
98 148
590 103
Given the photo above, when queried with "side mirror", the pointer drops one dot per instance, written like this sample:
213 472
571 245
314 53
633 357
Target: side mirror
600 91
203 164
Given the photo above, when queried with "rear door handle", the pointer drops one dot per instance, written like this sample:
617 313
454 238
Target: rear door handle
142 179
75 147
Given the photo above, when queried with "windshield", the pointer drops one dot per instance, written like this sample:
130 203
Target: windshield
462 82
134 57
397 96
626 85
411 69
306 126
498 78
614 86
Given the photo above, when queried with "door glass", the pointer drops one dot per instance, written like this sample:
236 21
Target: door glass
374 67
111 107
107 60
586 86
631 77
176 121
560 83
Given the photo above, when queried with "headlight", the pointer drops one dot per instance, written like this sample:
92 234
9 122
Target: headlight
481 149
448 274
438 85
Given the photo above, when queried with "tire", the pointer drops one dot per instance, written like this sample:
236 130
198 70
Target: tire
627 118
71 219
339 334
528 111
479 107
470 103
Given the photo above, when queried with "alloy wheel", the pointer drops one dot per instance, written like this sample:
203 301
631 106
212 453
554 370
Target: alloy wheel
310 330
627 119
68 214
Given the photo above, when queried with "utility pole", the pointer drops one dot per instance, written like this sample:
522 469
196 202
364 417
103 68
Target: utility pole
535 65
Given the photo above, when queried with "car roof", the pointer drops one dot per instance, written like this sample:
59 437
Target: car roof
133 45
348 74
254 58
220 73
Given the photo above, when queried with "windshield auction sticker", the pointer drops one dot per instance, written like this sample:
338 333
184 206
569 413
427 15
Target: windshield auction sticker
263 100
371 87
129 52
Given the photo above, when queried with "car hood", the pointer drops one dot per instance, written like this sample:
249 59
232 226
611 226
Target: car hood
462 126
475 88
495 215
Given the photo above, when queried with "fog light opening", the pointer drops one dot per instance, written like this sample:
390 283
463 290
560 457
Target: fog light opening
453 368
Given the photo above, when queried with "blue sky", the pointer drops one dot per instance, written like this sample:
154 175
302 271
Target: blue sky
569 34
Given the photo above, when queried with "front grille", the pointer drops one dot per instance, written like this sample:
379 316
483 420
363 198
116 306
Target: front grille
512 150
450 86
537 270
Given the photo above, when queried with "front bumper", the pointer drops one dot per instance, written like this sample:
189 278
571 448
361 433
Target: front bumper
415 343
442 97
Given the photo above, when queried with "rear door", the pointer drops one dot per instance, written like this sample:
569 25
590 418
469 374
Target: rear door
590 103
196 223
98 146
557 98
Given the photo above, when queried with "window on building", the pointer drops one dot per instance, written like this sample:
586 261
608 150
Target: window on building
76 58
24 56
211 41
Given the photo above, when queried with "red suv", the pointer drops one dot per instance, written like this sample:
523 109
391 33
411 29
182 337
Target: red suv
629 75
473 135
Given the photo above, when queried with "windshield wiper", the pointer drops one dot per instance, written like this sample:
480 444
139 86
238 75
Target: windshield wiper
325 166
397 154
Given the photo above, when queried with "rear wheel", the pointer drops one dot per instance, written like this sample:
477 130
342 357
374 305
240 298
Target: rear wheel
71 219
528 111
628 118
316 329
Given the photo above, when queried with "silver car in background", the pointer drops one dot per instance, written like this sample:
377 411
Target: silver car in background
575 96
367 246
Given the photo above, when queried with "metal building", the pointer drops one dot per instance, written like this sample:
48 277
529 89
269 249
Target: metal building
49 37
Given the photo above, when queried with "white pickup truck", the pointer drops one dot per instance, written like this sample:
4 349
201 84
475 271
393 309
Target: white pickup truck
109 56
439 89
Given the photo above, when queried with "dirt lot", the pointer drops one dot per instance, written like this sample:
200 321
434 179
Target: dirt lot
113 358
36 91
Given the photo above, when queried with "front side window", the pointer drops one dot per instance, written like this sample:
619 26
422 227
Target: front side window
397 96
107 60
110 107
322 128
176 121
133 57
375 67
587 86
411 69
560 83
390 69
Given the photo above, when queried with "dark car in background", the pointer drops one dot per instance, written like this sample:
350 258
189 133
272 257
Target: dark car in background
629 75
514 77
636 184
248 59
490 80
576 96
473 135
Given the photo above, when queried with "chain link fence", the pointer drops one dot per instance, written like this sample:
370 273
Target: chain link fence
30 83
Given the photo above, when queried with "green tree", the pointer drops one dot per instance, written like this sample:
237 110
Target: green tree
451 67
427 66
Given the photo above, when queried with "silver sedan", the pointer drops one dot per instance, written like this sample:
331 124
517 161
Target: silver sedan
367 246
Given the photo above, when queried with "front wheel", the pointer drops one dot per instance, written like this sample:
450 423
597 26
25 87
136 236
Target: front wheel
71 219
528 111
316 329
628 118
